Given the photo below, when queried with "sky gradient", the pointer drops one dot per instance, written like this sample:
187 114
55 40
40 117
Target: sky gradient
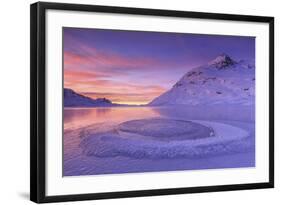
134 67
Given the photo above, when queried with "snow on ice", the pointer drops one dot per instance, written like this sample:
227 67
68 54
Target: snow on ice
146 139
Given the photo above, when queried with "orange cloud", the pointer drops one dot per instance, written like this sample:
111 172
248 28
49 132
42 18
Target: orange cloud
128 98
117 92
80 75
94 72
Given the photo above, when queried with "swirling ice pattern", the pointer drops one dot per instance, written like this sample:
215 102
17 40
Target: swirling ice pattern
157 138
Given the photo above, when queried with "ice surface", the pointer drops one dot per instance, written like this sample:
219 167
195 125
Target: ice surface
166 129
143 139
80 125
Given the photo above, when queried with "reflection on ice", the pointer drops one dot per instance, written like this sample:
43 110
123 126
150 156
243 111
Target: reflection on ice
140 139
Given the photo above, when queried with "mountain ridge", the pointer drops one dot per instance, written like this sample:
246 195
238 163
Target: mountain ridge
73 99
220 81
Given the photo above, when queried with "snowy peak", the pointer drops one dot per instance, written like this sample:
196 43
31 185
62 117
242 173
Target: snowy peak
221 81
222 61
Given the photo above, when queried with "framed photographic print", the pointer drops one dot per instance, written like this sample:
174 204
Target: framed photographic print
129 102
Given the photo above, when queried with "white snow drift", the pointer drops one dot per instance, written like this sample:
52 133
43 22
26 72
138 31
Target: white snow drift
156 138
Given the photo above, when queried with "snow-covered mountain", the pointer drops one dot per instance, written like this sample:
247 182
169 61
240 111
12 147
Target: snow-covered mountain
73 99
221 81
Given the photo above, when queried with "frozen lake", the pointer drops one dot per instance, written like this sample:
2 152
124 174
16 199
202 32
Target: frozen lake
116 140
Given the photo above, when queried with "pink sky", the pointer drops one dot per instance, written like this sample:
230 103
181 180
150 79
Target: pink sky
131 67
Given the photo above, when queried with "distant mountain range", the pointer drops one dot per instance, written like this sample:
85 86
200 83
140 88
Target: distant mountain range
221 81
73 99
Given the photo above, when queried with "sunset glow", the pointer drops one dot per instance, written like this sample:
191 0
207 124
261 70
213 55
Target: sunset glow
129 67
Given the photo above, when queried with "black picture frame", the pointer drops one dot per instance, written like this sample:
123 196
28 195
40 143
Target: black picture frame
38 97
